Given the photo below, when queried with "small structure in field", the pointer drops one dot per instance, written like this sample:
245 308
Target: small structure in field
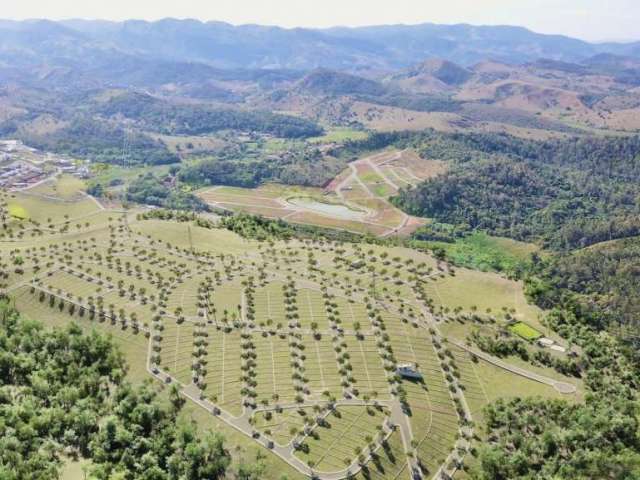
409 370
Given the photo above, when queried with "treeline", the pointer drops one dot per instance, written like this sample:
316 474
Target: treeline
179 216
501 346
63 395
261 228
565 193
187 119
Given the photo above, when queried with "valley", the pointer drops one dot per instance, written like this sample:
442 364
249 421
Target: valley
246 252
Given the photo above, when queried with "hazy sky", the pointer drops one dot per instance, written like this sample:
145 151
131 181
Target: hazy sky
588 19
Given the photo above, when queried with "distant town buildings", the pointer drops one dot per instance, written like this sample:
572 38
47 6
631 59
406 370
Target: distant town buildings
22 166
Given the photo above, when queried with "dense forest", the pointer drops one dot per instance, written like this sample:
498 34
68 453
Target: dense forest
100 141
564 193
63 395
302 166
601 281
148 189
190 119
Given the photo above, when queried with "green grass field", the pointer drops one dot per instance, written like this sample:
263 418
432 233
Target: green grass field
525 331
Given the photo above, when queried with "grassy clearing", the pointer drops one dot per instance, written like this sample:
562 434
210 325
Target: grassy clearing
483 252
65 187
484 291
525 331
340 134
47 211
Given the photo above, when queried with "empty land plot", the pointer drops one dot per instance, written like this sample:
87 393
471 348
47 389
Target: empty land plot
219 241
389 463
499 383
368 372
227 301
269 212
393 175
334 444
321 367
265 191
273 372
388 215
185 296
419 167
43 210
312 310
71 284
374 181
354 191
402 175
470 288
186 236
248 198
308 218
177 349
282 426
65 187
352 313
269 304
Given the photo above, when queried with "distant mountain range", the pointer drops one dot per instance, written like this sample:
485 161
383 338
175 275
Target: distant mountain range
56 77
104 46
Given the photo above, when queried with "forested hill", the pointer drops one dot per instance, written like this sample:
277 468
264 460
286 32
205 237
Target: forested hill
63 394
602 281
97 43
154 114
564 193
